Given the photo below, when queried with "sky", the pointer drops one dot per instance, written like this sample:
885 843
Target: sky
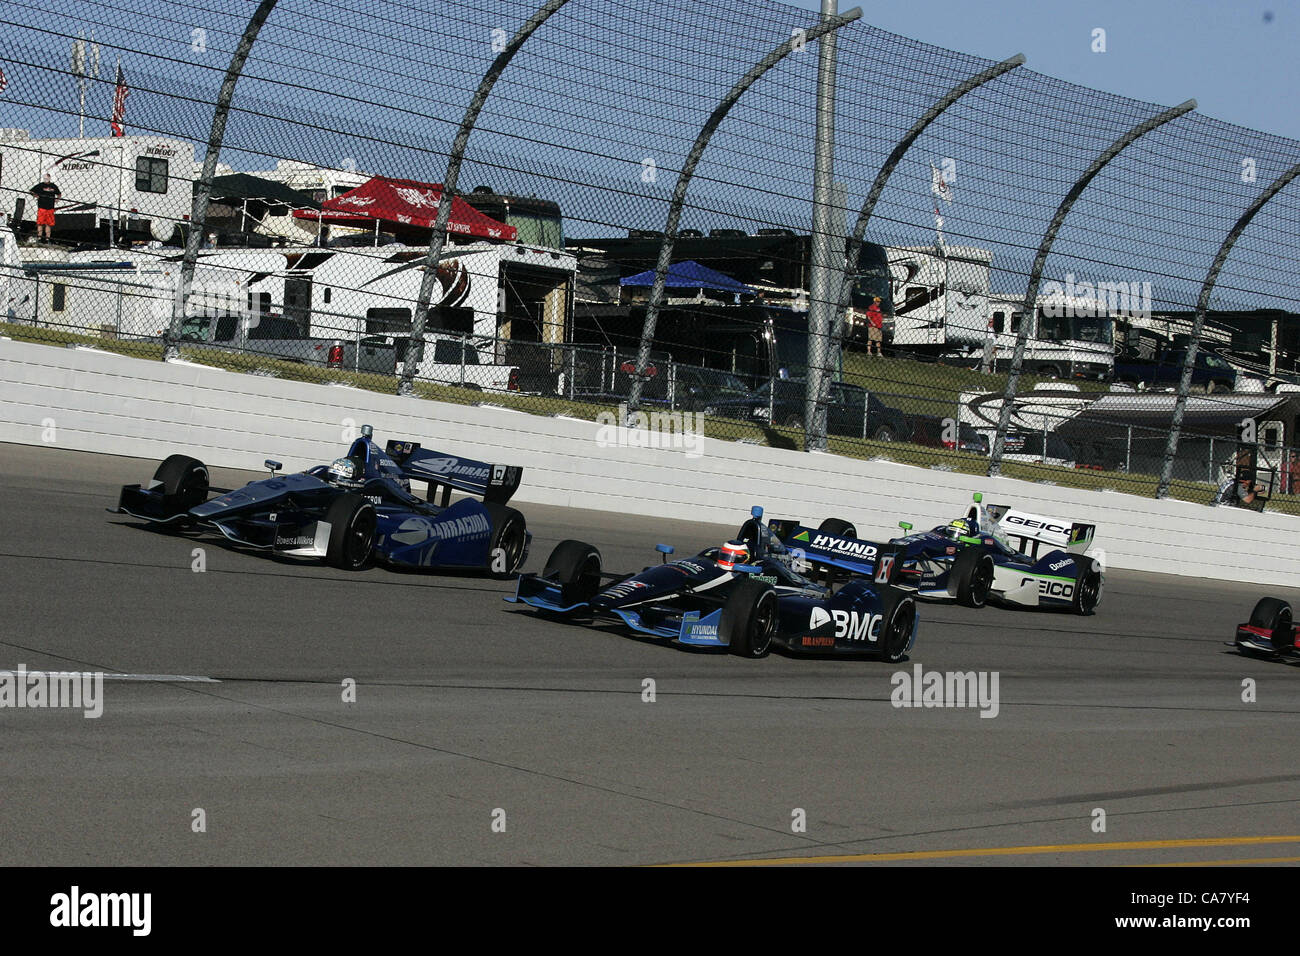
1240 59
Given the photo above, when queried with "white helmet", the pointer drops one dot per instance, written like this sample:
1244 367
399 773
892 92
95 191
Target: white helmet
344 471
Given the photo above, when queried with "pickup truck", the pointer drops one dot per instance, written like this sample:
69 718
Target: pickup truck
448 359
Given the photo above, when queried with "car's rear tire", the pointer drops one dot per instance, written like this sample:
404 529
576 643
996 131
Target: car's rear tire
1274 615
971 577
352 522
1087 587
749 619
184 483
576 567
509 537
838 527
898 620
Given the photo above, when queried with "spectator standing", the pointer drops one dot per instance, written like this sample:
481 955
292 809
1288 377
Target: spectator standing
46 192
875 327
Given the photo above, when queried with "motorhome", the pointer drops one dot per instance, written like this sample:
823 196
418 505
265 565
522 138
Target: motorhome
134 187
1035 416
944 308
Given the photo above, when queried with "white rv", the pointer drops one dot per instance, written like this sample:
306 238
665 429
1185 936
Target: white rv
143 185
943 306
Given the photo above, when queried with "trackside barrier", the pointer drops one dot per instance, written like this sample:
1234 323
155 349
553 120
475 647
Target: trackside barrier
106 403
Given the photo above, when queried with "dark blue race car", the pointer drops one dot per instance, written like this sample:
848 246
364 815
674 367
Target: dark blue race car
993 553
357 510
744 596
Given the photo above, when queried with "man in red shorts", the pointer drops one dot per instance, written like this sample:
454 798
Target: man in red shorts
46 193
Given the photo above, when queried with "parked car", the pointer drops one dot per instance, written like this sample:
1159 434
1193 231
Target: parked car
852 410
931 431
1164 368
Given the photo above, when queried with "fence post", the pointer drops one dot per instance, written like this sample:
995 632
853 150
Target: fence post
1030 315
684 179
1198 323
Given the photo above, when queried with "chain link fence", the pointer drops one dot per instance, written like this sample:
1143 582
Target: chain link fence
313 251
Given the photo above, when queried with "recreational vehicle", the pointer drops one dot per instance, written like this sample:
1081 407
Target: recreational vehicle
134 187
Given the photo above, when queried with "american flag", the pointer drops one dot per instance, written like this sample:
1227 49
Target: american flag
4 81
119 103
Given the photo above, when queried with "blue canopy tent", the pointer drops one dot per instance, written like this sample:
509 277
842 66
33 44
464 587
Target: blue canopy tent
691 275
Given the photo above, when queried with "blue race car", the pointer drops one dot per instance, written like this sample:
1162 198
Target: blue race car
743 596
993 553
357 510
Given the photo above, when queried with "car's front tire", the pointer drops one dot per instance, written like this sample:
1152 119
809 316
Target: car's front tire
576 567
352 522
1273 614
972 577
749 619
184 483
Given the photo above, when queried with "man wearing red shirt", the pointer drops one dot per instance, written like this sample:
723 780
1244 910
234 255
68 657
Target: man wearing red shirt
875 327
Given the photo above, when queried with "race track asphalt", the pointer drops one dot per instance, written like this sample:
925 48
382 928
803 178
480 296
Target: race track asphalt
482 734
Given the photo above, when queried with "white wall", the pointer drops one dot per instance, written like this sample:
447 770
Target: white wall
108 403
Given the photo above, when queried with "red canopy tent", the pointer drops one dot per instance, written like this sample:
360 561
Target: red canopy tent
405 202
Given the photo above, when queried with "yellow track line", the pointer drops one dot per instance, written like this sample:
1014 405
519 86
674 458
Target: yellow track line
1003 851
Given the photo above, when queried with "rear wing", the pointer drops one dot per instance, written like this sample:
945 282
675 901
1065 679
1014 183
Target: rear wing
827 550
1029 532
493 483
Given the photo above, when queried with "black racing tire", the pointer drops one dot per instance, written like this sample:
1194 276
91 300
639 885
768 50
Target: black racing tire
184 482
898 620
1274 615
884 433
838 527
352 522
749 619
971 577
510 535
1087 587
576 567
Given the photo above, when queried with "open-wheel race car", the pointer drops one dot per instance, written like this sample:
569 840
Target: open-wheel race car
354 511
744 596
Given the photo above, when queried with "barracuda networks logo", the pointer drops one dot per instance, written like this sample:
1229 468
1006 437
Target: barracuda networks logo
675 431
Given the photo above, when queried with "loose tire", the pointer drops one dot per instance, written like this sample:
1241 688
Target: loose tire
352 523
971 577
575 566
898 620
838 527
184 482
509 537
749 619
1087 587
1275 615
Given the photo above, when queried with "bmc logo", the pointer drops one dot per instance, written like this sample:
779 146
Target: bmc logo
1056 589
850 624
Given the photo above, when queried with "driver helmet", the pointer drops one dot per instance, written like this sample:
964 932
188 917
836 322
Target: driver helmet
960 528
344 471
733 553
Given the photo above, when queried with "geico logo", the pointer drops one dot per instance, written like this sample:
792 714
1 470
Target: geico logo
1061 589
850 624
1031 523
831 543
